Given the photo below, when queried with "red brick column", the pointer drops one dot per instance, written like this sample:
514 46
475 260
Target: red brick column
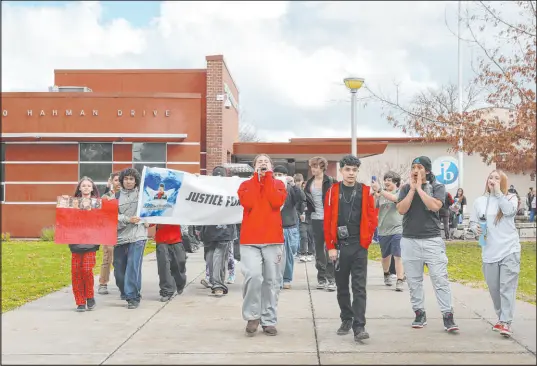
215 86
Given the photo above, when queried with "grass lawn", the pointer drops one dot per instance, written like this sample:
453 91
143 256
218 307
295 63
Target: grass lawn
465 266
34 269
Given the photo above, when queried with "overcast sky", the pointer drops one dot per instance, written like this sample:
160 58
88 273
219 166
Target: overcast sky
287 58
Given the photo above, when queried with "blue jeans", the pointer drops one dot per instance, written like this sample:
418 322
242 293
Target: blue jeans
376 235
532 215
128 269
292 240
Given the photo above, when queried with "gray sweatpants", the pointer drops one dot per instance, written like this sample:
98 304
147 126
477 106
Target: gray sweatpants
502 280
431 252
262 269
217 253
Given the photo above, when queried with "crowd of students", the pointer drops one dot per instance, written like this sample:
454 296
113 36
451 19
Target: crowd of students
286 219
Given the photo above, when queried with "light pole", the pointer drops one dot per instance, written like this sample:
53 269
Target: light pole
460 154
353 84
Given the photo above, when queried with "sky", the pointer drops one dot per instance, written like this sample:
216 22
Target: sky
288 59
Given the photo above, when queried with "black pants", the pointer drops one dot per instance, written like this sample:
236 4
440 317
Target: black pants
307 246
325 267
171 264
353 264
445 221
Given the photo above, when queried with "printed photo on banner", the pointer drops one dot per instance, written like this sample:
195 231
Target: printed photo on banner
79 203
160 188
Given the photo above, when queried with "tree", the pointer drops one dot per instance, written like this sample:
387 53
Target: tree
498 119
247 133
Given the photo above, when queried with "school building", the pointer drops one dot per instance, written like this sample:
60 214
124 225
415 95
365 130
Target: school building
94 122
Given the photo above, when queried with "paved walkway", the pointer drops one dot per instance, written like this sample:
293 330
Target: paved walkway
195 328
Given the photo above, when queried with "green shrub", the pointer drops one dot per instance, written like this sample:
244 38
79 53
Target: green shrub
47 234
6 236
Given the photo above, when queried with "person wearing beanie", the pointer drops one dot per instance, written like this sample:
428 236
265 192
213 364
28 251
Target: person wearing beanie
293 204
419 202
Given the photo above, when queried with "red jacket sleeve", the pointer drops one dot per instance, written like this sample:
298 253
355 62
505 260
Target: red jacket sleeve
372 212
328 207
249 194
275 191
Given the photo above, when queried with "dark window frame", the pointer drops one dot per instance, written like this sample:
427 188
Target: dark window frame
85 163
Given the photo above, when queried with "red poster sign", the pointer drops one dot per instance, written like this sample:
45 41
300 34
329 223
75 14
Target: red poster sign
95 226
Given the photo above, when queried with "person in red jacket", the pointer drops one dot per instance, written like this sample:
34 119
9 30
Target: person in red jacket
261 239
171 261
349 225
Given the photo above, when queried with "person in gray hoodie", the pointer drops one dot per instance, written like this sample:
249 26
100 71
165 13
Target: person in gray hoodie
217 239
131 239
291 210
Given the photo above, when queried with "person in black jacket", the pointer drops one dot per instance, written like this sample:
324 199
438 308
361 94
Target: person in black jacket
293 205
83 255
217 239
316 188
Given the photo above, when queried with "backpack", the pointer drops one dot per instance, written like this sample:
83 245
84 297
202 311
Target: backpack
448 201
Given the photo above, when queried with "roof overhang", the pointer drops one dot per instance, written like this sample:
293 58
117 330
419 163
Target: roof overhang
101 137
304 149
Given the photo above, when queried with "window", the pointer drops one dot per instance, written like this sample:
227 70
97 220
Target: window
148 154
3 187
95 161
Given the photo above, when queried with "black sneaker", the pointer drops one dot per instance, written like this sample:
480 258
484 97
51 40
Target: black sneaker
321 285
165 298
449 323
132 304
81 308
91 303
345 327
360 334
421 319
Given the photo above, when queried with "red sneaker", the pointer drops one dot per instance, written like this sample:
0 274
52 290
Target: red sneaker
506 330
497 327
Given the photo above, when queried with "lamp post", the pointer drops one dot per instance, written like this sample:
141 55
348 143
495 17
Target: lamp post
353 84
460 154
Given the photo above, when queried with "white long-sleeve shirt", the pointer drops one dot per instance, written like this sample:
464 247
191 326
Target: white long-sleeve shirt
502 238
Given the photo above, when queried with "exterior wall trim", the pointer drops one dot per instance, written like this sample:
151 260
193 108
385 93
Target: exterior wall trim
95 135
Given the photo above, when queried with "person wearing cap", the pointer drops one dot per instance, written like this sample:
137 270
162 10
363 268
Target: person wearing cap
419 202
217 240
349 224
293 204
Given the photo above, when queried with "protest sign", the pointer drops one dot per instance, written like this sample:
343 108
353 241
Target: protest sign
81 222
174 197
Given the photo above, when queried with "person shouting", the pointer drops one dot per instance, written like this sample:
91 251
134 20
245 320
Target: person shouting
108 250
496 210
291 209
83 256
349 225
262 198
316 188
390 227
131 239
419 202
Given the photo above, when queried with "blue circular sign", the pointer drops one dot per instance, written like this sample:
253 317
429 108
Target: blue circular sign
446 171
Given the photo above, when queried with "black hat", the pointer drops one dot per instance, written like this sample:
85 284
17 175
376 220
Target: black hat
219 171
425 161
280 169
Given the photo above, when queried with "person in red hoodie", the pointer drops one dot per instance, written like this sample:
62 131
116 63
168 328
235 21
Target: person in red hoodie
349 225
261 240
171 261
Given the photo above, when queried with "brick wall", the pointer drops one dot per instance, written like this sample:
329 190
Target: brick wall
215 85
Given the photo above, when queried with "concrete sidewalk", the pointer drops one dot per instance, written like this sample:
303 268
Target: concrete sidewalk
195 328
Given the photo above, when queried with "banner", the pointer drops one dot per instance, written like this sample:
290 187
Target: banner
174 197
86 221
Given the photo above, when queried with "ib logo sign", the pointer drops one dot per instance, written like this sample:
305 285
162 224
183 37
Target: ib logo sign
446 171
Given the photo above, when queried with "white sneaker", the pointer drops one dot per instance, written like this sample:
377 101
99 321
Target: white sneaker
302 258
309 258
